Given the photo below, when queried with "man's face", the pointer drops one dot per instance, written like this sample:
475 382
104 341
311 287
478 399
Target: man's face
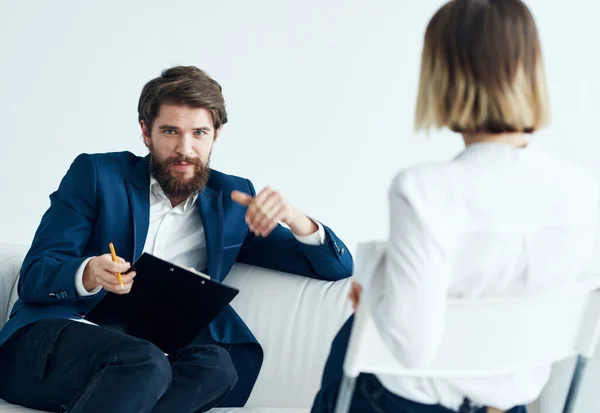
180 144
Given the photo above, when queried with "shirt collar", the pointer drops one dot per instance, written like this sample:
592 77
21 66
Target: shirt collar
488 151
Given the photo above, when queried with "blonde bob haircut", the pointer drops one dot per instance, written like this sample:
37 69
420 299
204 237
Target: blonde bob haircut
482 69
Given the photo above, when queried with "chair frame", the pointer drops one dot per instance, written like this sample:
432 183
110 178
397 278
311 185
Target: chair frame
585 338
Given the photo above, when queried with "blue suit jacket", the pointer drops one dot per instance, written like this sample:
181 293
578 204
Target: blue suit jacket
106 198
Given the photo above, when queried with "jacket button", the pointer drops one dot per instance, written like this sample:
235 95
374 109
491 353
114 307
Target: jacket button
342 251
53 295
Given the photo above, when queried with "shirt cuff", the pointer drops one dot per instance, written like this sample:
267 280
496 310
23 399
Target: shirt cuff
316 238
81 291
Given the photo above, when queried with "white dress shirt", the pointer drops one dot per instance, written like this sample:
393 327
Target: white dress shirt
176 234
494 219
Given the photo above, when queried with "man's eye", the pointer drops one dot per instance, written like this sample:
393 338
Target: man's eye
169 131
200 132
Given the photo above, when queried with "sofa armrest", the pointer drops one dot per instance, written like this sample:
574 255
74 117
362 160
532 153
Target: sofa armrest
295 320
11 259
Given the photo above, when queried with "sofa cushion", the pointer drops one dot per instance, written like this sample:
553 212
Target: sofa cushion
295 319
9 408
258 410
11 257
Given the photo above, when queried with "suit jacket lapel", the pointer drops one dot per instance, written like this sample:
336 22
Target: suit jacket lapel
210 202
138 191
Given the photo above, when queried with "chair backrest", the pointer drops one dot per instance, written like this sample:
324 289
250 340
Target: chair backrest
490 336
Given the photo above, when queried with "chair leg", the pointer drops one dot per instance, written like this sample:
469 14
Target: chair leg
575 384
345 395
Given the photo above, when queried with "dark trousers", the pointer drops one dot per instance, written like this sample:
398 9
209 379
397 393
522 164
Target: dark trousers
369 395
62 365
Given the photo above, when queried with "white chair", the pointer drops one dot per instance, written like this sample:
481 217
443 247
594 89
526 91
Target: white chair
554 325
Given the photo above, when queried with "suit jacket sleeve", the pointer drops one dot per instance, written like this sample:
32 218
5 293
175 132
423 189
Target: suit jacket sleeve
48 271
281 251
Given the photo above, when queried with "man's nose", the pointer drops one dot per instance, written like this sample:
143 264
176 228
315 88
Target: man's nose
184 146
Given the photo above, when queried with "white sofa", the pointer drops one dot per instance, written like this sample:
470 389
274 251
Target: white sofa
279 308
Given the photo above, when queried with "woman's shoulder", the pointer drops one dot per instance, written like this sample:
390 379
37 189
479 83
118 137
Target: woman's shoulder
424 175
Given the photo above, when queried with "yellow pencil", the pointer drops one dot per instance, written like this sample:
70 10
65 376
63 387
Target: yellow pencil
114 258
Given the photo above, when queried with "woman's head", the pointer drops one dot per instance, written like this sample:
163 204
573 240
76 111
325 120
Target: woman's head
482 69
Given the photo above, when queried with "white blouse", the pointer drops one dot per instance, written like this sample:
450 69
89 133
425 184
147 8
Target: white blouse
494 219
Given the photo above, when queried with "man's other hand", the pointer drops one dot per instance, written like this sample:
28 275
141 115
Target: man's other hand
268 208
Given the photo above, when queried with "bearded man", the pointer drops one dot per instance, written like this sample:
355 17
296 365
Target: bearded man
172 205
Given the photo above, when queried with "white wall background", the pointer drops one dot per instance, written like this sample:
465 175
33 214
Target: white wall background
320 95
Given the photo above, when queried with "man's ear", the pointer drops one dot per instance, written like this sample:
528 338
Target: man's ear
145 133
217 133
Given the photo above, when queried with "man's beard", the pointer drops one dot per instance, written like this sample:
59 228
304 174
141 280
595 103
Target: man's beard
173 184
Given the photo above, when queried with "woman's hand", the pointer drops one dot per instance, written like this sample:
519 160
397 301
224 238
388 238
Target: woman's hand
355 293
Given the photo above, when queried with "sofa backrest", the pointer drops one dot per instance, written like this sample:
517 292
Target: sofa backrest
294 318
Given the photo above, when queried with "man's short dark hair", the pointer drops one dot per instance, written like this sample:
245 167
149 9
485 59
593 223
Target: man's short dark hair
186 86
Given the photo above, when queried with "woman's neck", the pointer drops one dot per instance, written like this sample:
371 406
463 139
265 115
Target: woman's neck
516 139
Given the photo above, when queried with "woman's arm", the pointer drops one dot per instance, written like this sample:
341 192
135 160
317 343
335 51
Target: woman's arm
408 294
